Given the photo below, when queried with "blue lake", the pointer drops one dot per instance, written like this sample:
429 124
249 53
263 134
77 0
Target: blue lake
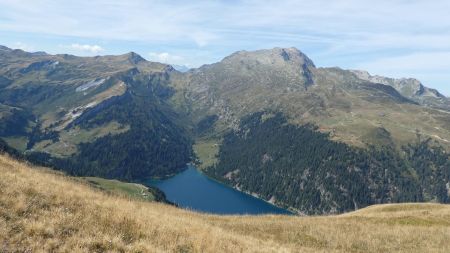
193 190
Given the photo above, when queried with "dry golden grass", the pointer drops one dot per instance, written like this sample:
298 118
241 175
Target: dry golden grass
42 211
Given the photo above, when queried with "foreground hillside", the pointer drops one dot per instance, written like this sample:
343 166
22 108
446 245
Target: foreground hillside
44 211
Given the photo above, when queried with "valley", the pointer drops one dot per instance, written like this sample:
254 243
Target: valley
225 126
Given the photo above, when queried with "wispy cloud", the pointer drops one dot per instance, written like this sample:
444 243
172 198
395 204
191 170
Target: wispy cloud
94 49
416 62
375 24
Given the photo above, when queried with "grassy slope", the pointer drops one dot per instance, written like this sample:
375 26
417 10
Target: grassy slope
136 191
206 150
44 211
49 93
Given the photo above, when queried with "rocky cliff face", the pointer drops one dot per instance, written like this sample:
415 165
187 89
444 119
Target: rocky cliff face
410 88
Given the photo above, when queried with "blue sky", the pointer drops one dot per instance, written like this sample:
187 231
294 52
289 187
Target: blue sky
397 38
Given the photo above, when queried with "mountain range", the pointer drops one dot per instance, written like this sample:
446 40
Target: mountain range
359 139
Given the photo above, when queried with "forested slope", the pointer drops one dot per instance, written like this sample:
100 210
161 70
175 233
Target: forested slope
299 167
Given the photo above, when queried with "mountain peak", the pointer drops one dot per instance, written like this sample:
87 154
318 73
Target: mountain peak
272 56
39 53
292 53
134 58
3 48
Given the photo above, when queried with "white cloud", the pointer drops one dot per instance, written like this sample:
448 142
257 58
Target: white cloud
165 57
94 49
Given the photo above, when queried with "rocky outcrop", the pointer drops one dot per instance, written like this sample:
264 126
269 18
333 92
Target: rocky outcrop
410 88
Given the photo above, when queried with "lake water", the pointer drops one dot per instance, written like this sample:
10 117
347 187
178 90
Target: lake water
193 190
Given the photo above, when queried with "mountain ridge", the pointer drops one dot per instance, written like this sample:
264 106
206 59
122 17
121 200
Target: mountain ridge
289 67
410 88
135 58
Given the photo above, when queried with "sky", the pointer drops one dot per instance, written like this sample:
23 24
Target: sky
396 38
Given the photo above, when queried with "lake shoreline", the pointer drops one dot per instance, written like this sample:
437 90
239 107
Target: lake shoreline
195 190
245 192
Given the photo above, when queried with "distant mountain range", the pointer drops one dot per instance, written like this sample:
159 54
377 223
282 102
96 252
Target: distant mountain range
125 117
181 68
